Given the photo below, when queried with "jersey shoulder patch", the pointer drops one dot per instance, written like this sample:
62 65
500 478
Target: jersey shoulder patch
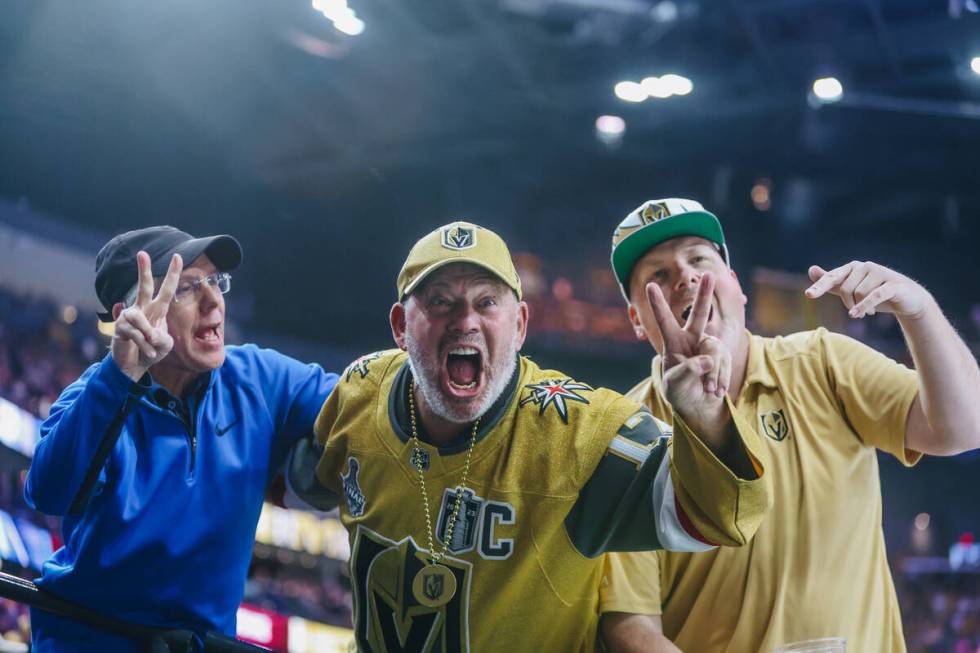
555 393
372 364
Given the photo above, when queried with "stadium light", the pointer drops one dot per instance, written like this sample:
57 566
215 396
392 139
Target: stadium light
343 17
610 125
609 130
922 521
665 11
351 26
828 89
677 84
760 195
656 87
69 314
975 65
630 92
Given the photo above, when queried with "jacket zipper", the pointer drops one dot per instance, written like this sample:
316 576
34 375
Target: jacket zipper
193 439
191 435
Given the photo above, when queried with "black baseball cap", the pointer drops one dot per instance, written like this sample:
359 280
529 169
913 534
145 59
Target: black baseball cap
116 269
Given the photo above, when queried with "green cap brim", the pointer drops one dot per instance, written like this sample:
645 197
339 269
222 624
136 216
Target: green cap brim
694 223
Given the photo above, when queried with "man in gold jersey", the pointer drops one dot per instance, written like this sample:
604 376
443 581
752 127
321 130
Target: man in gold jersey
825 403
479 491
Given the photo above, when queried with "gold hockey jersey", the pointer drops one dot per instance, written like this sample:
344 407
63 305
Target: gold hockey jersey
560 473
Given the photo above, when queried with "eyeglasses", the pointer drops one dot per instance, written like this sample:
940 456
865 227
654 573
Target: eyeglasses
190 291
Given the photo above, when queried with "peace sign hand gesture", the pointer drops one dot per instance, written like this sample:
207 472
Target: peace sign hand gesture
697 366
141 338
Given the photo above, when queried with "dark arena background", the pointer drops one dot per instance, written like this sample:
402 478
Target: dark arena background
328 137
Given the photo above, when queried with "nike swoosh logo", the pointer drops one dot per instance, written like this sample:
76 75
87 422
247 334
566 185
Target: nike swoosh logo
222 430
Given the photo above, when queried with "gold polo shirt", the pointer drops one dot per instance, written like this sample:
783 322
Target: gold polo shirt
817 566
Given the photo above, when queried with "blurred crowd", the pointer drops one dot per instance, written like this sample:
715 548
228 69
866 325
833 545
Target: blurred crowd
941 612
43 348
322 594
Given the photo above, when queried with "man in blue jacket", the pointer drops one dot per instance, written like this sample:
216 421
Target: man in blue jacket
158 457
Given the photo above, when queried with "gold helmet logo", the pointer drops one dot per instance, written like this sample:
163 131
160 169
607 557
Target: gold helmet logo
654 211
457 237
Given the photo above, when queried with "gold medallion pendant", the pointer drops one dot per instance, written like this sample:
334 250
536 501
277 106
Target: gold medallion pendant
434 586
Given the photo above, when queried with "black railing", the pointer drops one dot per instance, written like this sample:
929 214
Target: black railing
157 640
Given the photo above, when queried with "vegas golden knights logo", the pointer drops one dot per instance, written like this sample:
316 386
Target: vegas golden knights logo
774 425
433 586
387 617
654 211
458 237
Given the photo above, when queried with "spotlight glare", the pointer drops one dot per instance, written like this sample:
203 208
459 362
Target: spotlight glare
351 26
656 87
922 521
677 84
343 17
664 12
761 194
611 125
975 65
828 89
630 92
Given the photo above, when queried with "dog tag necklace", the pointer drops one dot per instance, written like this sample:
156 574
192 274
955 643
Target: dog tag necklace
435 585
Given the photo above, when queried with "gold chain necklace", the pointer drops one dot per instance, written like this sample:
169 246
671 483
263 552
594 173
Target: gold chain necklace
435 584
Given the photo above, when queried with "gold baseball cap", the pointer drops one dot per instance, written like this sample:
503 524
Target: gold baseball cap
655 221
457 242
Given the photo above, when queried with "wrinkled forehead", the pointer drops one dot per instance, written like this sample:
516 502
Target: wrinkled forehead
463 276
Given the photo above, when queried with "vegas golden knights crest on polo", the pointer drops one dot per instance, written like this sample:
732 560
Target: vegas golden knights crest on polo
774 425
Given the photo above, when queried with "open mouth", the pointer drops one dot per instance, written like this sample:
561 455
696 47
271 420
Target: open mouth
463 368
686 313
208 334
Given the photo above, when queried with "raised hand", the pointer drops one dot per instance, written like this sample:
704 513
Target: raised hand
866 288
141 338
697 366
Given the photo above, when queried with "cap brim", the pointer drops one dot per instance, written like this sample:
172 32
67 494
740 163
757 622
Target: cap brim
695 223
224 251
438 264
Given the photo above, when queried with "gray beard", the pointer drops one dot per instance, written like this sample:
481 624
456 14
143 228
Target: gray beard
426 377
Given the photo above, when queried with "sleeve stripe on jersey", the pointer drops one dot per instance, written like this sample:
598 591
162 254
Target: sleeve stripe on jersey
675 530
631 451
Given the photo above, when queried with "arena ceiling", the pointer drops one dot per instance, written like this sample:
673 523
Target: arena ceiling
328 154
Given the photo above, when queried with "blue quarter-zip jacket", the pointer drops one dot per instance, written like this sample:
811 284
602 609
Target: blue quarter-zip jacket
165 536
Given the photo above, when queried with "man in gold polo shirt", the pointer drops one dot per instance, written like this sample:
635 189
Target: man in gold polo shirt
817 565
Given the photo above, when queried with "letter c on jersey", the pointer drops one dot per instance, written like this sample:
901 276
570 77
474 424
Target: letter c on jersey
492 548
